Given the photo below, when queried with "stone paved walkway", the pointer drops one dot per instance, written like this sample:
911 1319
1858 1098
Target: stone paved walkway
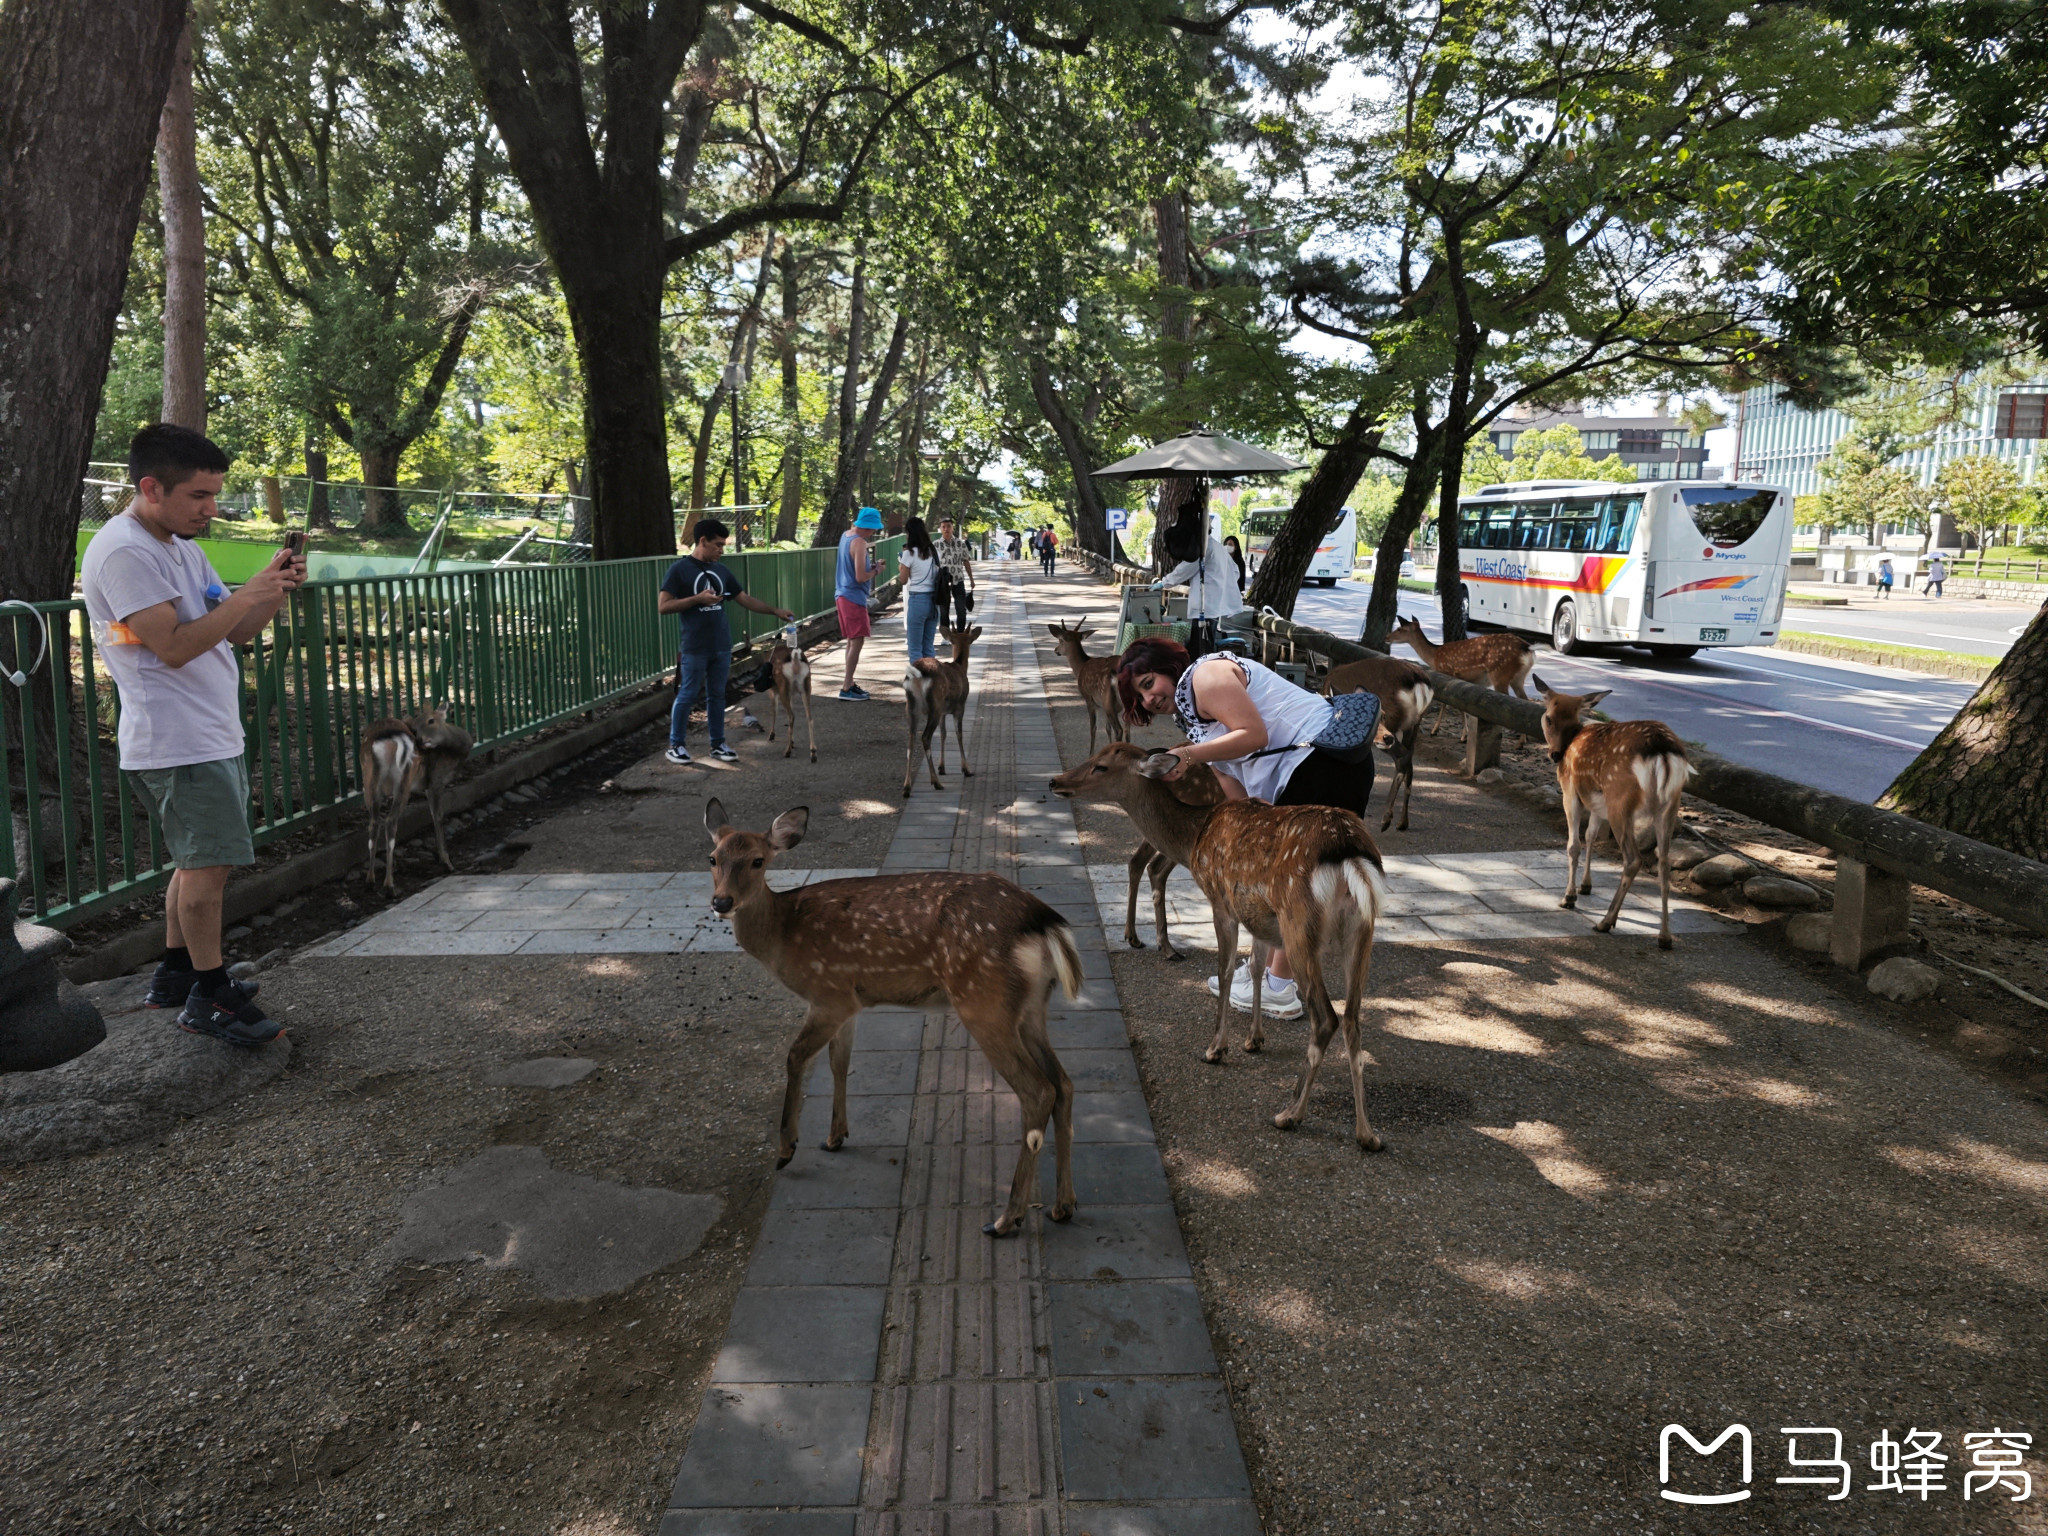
891 1371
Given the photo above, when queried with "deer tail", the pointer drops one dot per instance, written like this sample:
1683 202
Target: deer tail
1662 777
1355 879
393 756
1424 696
1065 958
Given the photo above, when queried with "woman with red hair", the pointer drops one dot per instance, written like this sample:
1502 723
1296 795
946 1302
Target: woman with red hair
1258 732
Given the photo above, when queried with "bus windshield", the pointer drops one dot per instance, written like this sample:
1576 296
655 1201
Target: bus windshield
1728 515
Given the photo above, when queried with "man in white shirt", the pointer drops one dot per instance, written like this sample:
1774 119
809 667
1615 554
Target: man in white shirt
166 627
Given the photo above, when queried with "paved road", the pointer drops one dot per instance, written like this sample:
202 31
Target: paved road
1836 725
1976 628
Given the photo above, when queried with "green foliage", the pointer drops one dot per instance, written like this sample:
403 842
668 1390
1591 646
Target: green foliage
1983 494
1548 453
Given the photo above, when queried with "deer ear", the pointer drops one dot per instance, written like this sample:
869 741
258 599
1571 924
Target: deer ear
788 829
1541 686
974 633
714 818
1155 764
1594 697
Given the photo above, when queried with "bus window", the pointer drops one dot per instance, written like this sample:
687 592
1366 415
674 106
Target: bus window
1728 515
1468 527
1577 524
1500 527
1618 516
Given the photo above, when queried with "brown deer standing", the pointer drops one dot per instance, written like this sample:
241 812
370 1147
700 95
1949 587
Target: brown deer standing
1168 816
789 680
1404 695
1503 662
444 749
1628 776
388 765
988 947
933 691
1296 876
1094 677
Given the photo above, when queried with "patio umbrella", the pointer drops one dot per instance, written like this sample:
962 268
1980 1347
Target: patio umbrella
1201 452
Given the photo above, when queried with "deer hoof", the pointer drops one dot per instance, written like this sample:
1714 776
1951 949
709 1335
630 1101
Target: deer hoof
1371 1144
828 1145
814 757
1254 1045
1285 1120
1174 954
1605 925
1002 1226
1060 1213
1212 1055
1569 902
783 1161
1134 941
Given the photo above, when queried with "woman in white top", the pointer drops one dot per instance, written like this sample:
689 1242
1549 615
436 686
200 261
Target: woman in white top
1211 579
920 568
1254 728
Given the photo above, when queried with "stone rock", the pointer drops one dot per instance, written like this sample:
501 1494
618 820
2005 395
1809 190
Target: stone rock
573 1235
1904 980
1488 776
1779 891
1687 854
272 958
148 1074
543 1072
1721 870
242 970
1811 931
237 932
44 1020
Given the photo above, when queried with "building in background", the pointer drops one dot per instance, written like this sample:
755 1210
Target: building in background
1781 443
1659 447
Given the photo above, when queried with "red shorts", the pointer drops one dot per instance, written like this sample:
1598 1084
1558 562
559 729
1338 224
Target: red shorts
853 619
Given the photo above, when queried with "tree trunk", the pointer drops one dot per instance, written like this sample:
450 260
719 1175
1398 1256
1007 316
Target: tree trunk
616 317
1986 775
177 178
792 402
700 457
1384 606
853 455
381 511
1317 510
273 499
81 90
318 513
1091 527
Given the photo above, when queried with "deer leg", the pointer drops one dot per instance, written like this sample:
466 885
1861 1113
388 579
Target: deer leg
1317 1002
1136 870
810 726
1667 827
1226 967
821 1023
775 713
960 737
1256 1040
1572 810
1091 723
933 765
1631 861
440 836
1354 1008
1160 868
910 703
1596 823
842 1055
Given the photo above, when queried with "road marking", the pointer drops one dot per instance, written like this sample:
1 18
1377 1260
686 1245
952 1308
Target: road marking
1868 693
1654 680
1973 639
1836 634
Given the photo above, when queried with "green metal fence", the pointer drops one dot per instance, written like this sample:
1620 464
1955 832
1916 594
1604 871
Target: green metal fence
513 650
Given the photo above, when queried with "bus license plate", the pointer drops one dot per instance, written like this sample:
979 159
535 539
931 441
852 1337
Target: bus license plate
1713 634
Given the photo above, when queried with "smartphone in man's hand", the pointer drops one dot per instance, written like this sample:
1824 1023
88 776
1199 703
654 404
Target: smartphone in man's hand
295 543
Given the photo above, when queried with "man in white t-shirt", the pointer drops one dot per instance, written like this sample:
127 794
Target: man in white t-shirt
166 627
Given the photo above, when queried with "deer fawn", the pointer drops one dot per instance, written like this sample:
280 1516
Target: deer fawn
444 748
1503 662
1295 875
1169 817
932 691
1095 677
389 765
988 947
790 679
1404 695
1627 776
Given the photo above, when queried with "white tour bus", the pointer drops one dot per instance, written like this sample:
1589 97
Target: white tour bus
1330 563
1672 565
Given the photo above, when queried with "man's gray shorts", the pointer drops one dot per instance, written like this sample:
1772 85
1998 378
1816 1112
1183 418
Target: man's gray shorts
203 809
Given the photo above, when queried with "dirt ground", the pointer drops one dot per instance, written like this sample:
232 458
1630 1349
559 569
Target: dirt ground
1623 1188
201 1333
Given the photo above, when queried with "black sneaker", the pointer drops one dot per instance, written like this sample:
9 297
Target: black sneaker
230 1014
169 988
724 753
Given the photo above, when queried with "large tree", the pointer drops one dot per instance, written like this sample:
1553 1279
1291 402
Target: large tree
82 87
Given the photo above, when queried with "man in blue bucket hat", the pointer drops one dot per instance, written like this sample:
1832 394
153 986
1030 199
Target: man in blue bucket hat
853 589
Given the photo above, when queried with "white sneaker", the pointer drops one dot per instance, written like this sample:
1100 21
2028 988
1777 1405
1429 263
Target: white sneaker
1277 999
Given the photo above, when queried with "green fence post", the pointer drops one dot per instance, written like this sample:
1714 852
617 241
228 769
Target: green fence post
483 598
586 633
312 627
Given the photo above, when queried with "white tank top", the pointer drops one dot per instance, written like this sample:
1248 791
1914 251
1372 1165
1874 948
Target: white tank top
1291 715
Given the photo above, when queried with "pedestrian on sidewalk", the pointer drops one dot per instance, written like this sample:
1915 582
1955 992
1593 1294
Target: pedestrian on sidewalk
853 594
1265 738
1048 549
920 569
1208 573
166 627
957 589
696 590
1884 577
1937 573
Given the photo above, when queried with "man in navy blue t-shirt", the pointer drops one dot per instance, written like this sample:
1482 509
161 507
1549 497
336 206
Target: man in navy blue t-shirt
696 589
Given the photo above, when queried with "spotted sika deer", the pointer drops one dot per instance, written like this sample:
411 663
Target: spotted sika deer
1628 776
933 691
1502 662
389 765
1169 817
444 749
1095 677
1297 876
789 675
1404 695
989 948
